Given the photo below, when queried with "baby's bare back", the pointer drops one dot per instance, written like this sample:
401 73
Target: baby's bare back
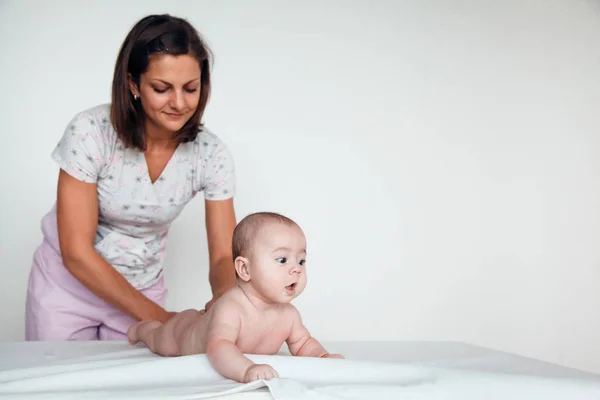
189 329
258 331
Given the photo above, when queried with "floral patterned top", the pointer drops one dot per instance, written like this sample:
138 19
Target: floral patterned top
134 213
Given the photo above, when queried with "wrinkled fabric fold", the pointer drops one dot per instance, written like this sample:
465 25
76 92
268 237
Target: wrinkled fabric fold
135 373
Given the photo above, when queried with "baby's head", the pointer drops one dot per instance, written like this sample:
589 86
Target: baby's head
269 252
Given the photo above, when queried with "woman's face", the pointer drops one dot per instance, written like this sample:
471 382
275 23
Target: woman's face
169 92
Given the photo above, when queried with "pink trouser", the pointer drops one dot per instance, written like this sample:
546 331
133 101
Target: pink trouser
60 308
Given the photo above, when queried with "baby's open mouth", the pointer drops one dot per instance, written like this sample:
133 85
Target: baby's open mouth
290 287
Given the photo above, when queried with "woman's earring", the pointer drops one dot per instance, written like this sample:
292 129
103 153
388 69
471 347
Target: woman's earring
135 97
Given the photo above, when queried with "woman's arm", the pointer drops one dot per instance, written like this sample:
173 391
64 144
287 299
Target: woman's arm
77 214
220 223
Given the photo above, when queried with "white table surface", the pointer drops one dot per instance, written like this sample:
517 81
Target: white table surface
454 355
441 354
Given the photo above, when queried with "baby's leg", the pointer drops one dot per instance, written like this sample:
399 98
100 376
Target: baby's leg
162 338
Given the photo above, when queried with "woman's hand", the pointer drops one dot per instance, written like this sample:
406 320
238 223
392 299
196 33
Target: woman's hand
171 314
209 304
216 297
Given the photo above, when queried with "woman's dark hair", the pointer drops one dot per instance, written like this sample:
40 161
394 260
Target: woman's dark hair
155 34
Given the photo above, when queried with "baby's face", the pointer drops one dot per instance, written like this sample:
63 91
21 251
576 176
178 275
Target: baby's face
278 269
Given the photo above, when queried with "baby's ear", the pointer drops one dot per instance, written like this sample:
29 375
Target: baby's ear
241 267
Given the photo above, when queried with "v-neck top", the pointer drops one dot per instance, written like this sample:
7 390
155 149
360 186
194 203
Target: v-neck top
134 214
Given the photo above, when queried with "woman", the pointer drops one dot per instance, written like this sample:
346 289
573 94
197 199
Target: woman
127 169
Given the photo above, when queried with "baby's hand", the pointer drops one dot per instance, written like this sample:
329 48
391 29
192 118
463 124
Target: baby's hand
260 371
332 356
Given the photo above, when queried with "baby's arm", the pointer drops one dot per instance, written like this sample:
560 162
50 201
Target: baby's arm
300 342
222 350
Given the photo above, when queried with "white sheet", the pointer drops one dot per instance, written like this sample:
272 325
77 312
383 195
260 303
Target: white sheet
76 370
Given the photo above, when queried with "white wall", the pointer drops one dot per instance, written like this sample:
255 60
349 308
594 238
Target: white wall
443 157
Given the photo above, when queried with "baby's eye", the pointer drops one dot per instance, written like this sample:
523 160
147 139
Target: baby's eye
301 262
282 260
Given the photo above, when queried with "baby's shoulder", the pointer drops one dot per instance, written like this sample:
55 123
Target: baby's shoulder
289 309
231 299
289 313
234 294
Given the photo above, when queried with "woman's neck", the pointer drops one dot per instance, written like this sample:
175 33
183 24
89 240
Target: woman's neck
160 144
158 140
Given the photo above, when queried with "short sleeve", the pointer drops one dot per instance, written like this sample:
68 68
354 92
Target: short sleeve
80 150
217 179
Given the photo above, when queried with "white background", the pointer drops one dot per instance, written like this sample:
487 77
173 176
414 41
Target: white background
442 156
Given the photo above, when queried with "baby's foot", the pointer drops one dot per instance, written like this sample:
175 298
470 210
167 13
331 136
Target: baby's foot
132 335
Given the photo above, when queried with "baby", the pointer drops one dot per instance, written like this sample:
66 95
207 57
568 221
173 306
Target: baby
256 316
